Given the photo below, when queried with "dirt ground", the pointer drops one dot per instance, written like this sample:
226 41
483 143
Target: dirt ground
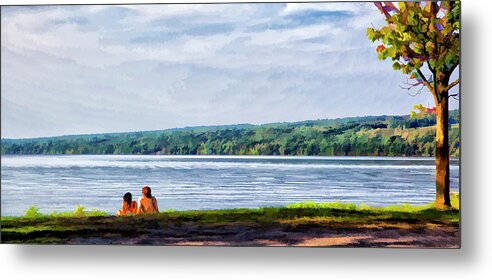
371 235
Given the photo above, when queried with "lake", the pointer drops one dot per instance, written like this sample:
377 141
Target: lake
212 182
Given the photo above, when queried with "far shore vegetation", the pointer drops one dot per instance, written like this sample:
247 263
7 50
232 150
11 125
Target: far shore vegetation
357 136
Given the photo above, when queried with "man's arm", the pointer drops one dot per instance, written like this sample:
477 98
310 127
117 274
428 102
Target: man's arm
156 207
139 209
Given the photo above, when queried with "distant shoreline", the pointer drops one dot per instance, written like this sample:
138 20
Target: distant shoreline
212 127
236 156
361 136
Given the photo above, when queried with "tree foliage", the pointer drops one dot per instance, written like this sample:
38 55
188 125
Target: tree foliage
420 111
364 136
421 34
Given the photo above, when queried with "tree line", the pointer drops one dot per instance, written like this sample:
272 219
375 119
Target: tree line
363 136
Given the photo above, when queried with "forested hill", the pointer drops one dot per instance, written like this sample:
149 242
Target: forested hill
358 136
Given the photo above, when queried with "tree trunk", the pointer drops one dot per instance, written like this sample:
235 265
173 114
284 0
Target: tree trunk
442 154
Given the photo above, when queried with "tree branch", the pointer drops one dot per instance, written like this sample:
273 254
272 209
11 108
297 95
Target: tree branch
451 70
451 85
429 65
411 85
424 80
413 94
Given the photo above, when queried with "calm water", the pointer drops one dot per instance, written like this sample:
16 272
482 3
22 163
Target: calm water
209 182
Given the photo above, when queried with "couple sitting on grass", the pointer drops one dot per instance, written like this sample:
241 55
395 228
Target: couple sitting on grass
146 204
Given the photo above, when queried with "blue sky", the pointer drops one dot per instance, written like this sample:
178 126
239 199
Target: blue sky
93 69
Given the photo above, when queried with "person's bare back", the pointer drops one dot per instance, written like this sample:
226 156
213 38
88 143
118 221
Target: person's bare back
147 203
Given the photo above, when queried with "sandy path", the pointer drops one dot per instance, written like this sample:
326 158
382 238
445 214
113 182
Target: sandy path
371 235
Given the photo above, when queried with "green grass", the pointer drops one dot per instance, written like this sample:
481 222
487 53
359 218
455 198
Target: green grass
293 210
79 212
36 227
405 208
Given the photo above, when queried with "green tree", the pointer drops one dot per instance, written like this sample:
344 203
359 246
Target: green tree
418 37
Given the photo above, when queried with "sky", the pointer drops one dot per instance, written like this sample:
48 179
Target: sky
95 69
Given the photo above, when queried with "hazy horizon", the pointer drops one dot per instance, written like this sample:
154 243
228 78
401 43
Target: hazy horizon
78 70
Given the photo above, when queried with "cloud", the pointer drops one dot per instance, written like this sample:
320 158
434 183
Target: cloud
292 8
90 69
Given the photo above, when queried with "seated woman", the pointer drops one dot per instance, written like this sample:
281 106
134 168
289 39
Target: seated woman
147 203
128 206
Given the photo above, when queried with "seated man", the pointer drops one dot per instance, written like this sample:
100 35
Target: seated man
147 203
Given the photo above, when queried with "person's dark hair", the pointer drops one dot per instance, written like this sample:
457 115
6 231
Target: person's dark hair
128 199
147 192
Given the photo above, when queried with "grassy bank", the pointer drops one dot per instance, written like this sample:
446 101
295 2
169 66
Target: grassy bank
299 224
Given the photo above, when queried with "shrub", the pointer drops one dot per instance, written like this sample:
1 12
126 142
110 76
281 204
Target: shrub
95 213
33 212
79 211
